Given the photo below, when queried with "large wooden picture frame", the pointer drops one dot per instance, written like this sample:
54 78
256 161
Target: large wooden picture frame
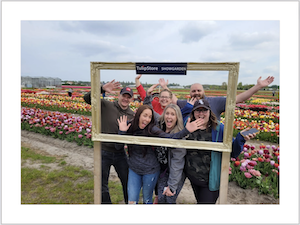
225 147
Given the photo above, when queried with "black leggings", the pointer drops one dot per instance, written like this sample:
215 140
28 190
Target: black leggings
202 193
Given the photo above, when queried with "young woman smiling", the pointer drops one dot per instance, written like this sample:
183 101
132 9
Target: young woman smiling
144 168
203 167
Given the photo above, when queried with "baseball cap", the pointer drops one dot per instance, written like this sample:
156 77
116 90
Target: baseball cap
127 90
201 103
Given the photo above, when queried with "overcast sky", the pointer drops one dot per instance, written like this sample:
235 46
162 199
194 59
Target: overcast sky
64 49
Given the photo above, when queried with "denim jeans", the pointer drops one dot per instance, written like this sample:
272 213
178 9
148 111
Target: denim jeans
136 182
119 161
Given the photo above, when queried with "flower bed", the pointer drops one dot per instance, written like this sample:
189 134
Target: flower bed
266 121
257 168
258 108
64 126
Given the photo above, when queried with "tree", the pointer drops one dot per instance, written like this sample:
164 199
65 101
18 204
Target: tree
224 86
240 86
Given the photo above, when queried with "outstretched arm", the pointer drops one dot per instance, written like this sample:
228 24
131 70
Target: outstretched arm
260 84
137 80
139 87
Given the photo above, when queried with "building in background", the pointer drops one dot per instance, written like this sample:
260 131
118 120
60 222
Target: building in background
40 82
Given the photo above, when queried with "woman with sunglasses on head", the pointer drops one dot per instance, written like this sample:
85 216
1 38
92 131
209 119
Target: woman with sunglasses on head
203 167
144 168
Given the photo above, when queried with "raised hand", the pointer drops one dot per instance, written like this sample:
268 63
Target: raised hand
138 77
163 83
266 82
192 101
195 125
137 80
151 89
110 86
123 126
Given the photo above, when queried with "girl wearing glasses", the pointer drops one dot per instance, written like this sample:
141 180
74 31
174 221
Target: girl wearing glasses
203 167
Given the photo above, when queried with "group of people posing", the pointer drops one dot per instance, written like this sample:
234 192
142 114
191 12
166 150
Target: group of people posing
160 172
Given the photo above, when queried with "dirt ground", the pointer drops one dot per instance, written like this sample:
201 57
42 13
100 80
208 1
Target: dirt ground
83 156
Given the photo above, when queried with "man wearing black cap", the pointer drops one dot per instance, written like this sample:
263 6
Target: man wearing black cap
110 112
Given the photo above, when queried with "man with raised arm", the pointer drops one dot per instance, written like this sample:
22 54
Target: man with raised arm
217 104
110 112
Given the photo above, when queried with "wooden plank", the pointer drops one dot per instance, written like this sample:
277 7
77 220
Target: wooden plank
97 173
96 127
224 178
168 142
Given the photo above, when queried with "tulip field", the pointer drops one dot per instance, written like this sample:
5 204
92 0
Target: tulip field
260 113
55 114
257 168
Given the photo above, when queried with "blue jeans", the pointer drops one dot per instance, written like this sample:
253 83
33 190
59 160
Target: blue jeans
136 182
119 161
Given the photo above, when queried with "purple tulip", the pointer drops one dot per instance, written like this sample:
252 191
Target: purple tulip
272 162
80 136
245 149
243 168
273 147
244 164
267 146
261 152
246 154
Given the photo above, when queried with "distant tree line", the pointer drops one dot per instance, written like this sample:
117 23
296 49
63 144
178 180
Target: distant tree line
240 85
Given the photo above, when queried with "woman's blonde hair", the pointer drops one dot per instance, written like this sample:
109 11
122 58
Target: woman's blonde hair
179 123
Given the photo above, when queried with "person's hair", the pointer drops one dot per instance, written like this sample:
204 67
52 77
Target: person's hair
166 90
135 122
133 129
212 121
179 122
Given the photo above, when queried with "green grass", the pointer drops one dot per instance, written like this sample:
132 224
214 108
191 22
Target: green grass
66 185
27 153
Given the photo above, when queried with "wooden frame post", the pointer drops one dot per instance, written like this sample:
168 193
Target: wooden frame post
225 147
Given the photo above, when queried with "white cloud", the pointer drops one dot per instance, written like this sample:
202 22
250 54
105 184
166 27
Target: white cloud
252 40
75 43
